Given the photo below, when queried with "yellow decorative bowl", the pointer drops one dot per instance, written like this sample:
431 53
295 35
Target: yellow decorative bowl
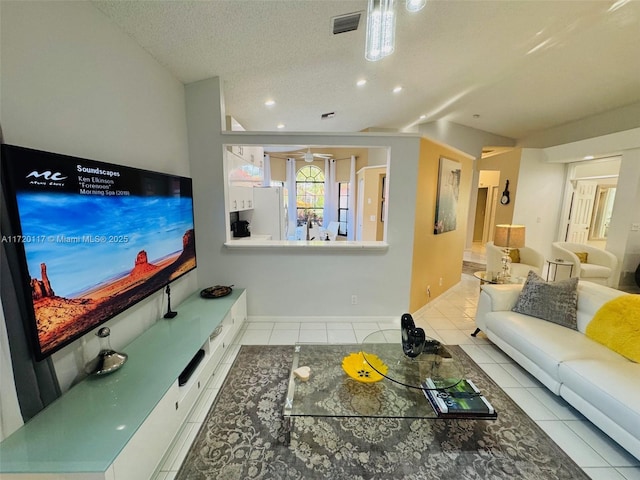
360 369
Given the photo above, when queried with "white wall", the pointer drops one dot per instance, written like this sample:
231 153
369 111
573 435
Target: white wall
622 239
300 283
539 199
73 83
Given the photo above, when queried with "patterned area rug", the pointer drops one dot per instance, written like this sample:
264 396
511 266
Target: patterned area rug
470 267
243 437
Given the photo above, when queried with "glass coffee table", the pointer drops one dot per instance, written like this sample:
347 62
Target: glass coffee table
496 278
434 362
330 392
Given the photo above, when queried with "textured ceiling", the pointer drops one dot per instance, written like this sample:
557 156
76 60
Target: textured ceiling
522 66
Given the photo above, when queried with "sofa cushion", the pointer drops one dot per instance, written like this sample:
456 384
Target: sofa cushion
608 386
555 302
544 343
591 270
591 297
582 256
617 326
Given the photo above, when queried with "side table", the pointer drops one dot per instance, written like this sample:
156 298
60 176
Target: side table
558 262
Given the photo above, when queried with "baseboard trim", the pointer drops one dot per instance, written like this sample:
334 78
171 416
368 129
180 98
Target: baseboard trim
325 319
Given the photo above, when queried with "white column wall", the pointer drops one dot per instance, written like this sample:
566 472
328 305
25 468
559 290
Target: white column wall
73 83
300 283
538 203
622 240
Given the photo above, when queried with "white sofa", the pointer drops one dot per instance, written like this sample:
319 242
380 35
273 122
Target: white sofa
597 381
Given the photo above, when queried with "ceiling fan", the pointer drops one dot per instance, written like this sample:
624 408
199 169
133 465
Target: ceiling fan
308 156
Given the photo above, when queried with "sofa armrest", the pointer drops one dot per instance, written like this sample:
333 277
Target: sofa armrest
503 297
602 257
495 298
562 253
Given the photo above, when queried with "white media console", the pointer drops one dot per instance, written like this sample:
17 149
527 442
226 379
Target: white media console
119 426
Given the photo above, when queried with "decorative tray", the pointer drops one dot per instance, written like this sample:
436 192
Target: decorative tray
216 291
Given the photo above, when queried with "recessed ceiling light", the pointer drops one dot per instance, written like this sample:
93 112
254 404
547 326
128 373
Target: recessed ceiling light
422 117
476 115
270 103
415 5
397 89
362 82
281 125
589 157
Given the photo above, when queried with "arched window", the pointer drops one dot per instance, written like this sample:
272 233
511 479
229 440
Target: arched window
310 194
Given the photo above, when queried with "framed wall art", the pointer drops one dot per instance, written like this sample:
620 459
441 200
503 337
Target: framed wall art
447 199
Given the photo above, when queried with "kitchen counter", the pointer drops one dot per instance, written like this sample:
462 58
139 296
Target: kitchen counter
313 244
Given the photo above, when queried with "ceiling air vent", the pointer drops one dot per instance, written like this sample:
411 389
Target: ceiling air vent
324 116
346 23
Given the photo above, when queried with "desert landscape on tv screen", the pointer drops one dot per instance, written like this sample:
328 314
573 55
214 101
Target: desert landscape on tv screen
94 257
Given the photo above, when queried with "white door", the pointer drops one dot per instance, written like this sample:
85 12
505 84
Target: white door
584 195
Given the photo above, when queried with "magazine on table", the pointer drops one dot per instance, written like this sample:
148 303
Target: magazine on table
449 397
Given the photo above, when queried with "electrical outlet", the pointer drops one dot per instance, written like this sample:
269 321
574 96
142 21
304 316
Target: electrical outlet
429 291
440 281
354 299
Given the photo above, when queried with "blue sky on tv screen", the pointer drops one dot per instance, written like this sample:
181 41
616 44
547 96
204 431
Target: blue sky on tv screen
85 239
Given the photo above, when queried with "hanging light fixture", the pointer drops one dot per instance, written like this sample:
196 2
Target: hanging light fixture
415 5
381 29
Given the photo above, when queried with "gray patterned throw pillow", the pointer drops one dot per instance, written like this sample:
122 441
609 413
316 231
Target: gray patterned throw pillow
555 302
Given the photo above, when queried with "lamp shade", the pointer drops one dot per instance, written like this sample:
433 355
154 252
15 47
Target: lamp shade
509 236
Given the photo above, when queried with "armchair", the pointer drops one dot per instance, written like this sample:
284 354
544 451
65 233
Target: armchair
530 259
599 266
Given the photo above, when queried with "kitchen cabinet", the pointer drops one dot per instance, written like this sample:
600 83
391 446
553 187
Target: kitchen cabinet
240 198
248 154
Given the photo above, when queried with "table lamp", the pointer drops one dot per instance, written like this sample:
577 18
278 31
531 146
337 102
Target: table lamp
508 237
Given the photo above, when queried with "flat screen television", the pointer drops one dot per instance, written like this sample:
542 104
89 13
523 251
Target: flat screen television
92 239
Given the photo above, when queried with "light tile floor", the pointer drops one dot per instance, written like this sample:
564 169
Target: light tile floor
449 318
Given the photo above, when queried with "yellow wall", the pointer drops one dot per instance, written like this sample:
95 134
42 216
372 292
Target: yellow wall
508 164
437 257
278 169
372 196
343 162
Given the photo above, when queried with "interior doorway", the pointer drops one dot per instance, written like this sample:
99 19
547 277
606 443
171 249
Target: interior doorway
481 210
591 201
486 204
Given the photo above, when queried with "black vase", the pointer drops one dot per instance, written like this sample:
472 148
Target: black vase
413 338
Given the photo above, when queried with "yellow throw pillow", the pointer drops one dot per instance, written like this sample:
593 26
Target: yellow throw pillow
515 255
582 256
617 325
